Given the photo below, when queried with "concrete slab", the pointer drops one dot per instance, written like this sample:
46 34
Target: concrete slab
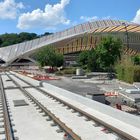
84 129
121 120
7 83
19 81
30 125
83 103
20 102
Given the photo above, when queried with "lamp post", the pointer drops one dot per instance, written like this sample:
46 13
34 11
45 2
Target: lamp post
127 37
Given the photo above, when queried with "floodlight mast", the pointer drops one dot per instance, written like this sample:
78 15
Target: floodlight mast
127 37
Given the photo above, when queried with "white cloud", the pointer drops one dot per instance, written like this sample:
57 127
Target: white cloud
85 18
9 9
94 18
107 17
137 17
52 16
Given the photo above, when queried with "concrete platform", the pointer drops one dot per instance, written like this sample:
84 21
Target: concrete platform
7 83
29 123
121 120
85 129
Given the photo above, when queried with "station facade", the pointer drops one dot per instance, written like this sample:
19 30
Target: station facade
75 39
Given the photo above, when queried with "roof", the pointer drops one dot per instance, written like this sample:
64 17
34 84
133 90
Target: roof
10 53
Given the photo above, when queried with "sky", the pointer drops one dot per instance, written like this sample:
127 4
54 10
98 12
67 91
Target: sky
40 16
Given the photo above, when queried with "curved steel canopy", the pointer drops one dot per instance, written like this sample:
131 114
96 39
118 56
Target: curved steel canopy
10 53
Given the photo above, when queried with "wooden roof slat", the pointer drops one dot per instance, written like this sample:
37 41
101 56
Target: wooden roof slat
108 29
118 28
122 30
92 31
138 31
104 29
130 27
135 29
99 30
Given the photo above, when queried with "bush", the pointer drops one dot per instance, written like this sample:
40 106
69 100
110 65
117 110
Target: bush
137 74
120 72
136 59
59 73
69 71
128 74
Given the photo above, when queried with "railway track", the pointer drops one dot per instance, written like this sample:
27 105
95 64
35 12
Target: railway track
109 128
47 112
57 121
8 132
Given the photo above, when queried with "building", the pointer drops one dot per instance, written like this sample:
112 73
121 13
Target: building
76 39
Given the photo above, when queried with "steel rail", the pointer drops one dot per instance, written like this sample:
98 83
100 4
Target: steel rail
47 112
119 132
7 123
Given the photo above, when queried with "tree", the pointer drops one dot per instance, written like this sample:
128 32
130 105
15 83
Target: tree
27 36
47 33
136 59
83 58
48 56
92 64
103 57
108 51
1 41
13 38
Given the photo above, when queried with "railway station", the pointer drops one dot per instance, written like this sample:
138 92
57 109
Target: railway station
34 110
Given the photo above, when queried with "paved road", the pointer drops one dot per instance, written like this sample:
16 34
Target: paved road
93 86
77 86
83 86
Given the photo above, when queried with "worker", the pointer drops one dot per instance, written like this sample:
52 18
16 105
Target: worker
67 137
